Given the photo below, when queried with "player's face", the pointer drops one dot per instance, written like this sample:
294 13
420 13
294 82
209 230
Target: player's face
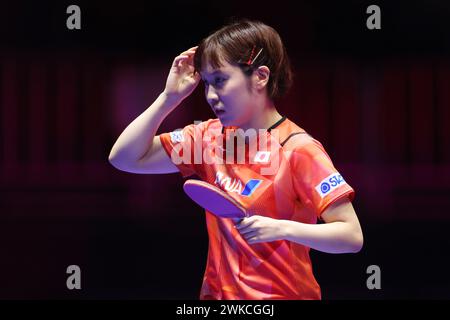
228 92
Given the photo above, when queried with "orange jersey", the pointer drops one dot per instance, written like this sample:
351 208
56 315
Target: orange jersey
290 177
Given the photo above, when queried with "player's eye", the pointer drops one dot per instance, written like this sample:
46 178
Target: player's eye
219 81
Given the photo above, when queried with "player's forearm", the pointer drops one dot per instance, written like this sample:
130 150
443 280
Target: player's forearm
137 138
334 237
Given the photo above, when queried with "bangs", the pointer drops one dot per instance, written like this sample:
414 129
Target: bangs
209 51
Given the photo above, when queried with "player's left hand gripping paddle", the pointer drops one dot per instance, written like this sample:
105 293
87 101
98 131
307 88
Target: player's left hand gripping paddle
214 199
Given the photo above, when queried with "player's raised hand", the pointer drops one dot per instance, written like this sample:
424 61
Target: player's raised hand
181 80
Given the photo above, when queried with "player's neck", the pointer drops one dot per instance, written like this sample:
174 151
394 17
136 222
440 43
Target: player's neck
268 117
262 121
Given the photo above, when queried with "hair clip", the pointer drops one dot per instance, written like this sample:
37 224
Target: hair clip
251 59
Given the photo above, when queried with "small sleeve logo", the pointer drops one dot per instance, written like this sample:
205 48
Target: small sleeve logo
325 187
330 183
176 136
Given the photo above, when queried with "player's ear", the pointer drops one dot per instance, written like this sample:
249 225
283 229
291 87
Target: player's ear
261 74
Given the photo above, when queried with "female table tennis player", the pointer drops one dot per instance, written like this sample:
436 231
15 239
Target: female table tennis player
245 68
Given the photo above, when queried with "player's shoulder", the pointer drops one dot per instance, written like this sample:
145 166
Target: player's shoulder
208 124
298 140
294 137
203 126
212 124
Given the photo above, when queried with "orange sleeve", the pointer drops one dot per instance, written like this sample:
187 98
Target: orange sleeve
181 146
316 181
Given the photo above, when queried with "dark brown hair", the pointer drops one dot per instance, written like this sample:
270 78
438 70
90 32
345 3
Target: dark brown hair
238 42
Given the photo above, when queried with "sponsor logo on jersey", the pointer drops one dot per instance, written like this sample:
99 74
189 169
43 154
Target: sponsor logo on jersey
177 136
250 187
236 185
327 185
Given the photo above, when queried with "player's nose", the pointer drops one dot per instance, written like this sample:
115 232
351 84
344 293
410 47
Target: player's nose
211 96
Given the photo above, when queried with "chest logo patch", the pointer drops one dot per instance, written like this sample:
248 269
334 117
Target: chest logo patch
236 185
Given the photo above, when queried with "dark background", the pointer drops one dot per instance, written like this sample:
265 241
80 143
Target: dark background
378 100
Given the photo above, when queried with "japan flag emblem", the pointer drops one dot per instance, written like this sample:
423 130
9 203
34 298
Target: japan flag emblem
262 157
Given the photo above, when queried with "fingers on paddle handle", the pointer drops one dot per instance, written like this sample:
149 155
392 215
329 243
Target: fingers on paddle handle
237 220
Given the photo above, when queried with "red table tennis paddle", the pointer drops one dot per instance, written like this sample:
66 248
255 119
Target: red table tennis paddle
214 199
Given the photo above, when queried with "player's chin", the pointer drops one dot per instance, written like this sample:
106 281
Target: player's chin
228 120
225 121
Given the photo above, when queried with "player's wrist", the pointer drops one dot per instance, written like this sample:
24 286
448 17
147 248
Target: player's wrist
170 99
285 230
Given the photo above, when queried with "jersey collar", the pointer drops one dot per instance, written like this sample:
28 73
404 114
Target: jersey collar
276 124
